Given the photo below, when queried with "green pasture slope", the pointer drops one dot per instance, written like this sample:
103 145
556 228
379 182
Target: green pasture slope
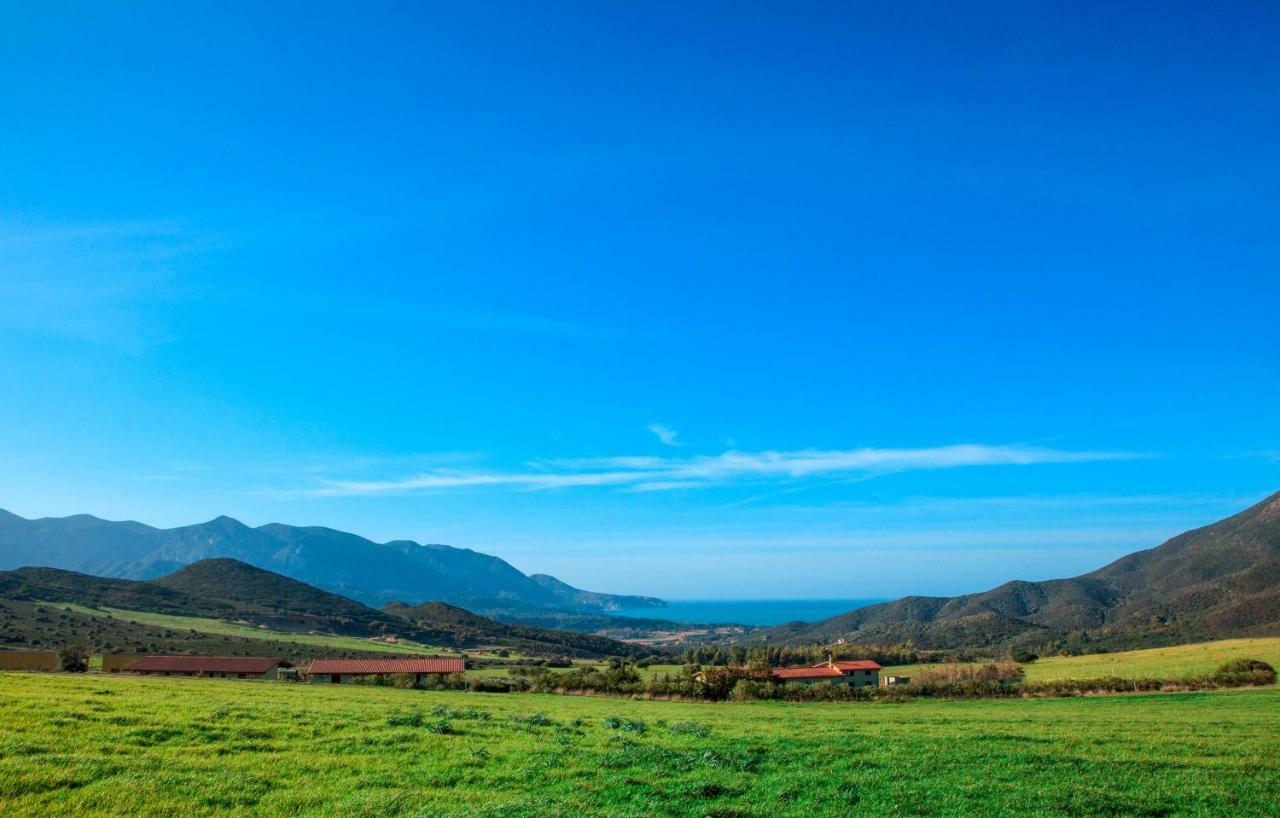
94 745
1177 661
320 642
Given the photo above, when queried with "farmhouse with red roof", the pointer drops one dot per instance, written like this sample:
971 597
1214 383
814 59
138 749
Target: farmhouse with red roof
855 672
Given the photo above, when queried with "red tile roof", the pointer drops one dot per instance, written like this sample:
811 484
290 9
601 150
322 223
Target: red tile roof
851 664
437 664
819 672
204 664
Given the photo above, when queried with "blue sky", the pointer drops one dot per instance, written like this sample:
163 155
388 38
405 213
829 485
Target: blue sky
831 300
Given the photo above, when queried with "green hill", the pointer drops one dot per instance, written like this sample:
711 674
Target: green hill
254 590
221 590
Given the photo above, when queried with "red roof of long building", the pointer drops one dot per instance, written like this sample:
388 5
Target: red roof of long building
851 664
205 664
435 664
819 672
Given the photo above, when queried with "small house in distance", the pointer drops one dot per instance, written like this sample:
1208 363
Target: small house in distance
857 672
225 667
337 671
854 672
893 681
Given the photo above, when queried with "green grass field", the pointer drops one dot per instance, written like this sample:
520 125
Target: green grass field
95 745
1181 660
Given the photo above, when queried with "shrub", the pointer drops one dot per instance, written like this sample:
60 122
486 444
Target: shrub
75 659
749 689
493 684
411 719
1244 672
452 681
691 728
534 720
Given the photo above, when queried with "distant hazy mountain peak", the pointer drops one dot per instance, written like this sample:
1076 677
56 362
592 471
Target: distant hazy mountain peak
338 561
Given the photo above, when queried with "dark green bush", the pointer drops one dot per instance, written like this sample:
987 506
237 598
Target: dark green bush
690 728
1245 672
75 659
497 685
411 719
535 720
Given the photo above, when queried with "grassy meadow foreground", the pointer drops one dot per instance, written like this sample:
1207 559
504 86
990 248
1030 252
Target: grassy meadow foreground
109 745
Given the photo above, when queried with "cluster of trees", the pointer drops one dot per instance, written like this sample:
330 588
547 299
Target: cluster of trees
787 656
903 653
619 679
1000 680
751 681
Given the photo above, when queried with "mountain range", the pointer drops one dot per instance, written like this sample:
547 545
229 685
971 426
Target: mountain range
36 608
1220 580
343 563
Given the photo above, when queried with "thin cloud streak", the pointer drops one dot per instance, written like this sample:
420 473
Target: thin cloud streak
729 468
668 436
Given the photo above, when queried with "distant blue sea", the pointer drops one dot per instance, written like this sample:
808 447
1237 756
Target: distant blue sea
749 611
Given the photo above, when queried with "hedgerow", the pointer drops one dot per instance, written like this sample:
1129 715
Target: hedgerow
994 680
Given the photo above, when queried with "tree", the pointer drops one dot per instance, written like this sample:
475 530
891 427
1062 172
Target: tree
75 659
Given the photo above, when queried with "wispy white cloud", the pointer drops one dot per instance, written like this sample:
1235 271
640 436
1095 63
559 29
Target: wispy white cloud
666 434
729 468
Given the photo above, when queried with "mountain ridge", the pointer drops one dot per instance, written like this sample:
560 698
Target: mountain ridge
337 561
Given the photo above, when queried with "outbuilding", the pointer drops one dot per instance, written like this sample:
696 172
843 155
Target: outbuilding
28 660
337 671
226 667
